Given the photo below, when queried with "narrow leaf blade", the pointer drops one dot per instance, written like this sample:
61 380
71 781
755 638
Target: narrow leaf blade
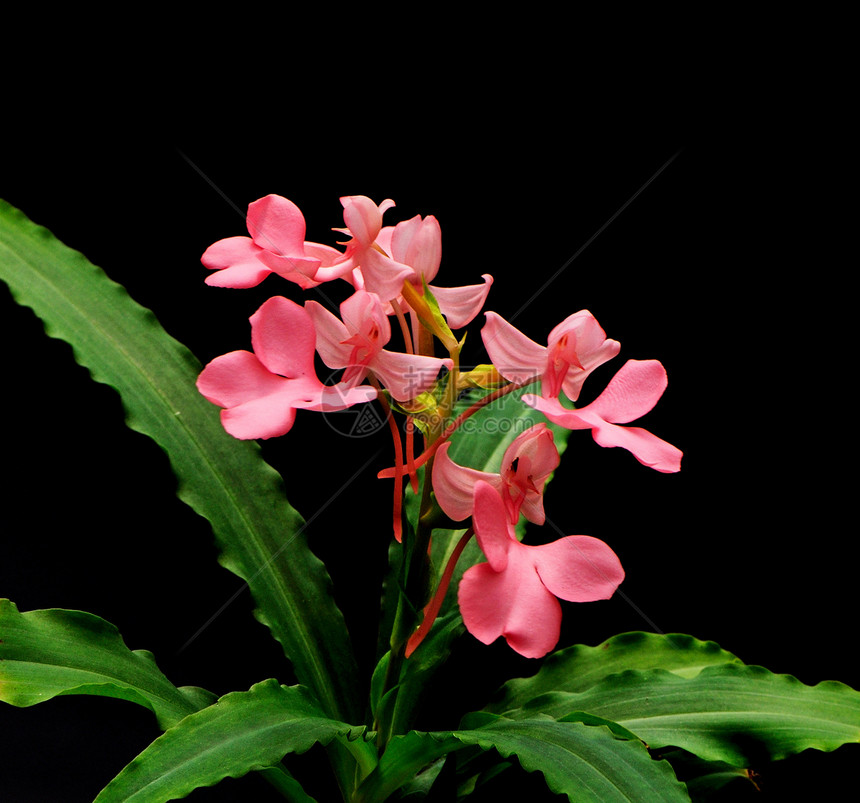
584 762
240 733
224 480
579 667
742 715
48 653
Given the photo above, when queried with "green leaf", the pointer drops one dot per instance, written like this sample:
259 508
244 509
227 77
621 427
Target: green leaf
741 715
48 653
225 480
705 778
405 757
584 762
241 732
579 667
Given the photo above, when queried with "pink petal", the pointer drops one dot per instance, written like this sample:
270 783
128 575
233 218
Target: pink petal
333 264
558 414
363 312
230 251
536 448
418 243
516 357
266 417
578 568
589 345
235 378
407 375
236 262
382 275
283 337
632 392
240 276
328 257
460 305
538 444
330 334
331 398
514 604
277 225
363 217
258 403
454 485
493 529
298 269
589 335
647 448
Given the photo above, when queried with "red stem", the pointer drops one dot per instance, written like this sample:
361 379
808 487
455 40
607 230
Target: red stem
398 461
431 610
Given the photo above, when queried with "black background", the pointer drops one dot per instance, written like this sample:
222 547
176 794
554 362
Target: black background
698 221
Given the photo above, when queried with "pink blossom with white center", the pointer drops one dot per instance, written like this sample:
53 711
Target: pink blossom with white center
356 340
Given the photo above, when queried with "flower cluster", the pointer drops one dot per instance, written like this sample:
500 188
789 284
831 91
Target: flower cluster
391 271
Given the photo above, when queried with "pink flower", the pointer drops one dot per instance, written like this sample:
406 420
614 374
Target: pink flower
355 342
631 393
379 273
417 243
574 349
515 593
276 245
526 465
261 391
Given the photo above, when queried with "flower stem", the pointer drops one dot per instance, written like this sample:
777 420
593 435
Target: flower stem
431 611
398 460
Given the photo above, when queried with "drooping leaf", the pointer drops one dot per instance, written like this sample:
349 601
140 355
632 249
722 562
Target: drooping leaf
240 733
738 714
48 653
224 480
51 653
585 762
579 667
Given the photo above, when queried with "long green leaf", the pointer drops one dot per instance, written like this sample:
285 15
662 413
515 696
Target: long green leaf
48 653
742 715
240 733
584 762
579 667
224 480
